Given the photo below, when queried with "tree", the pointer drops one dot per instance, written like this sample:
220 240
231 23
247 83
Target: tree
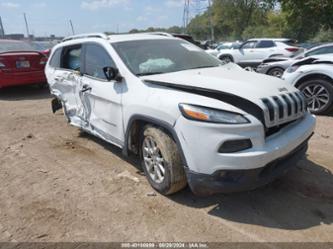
305 17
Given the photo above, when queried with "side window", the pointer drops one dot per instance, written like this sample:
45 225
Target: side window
250 44
55 60
325 50
266 44
71 58
96 59
315 52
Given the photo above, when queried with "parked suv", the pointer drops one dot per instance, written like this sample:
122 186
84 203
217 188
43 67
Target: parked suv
190 118
252 52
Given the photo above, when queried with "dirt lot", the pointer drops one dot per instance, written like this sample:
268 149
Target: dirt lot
57 184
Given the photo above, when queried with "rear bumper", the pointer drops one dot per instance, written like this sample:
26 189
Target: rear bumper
228 181
22 78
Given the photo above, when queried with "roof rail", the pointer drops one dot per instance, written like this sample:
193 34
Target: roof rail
91 35
158 33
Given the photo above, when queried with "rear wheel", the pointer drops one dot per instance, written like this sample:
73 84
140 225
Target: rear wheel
161 161
319 95
276 72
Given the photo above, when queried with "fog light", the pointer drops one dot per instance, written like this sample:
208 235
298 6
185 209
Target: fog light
235 146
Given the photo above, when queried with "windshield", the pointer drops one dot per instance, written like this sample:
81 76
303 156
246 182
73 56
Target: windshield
9 46
148 57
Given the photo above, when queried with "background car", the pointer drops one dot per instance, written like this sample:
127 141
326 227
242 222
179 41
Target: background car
222 46
314 77
20 64
254 51
275 66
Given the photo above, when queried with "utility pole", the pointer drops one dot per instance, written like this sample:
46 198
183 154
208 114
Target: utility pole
186 15
72 26
26 25
2 31
210 11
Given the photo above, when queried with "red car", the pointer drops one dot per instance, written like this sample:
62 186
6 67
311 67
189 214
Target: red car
20 64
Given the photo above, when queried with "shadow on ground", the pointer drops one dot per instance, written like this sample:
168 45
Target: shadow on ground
20 93
299 200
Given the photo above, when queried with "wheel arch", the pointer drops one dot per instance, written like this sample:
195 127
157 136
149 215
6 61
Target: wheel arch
313 76
229 55
134 129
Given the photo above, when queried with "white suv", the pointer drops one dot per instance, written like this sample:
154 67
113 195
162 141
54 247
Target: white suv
190 118
254 51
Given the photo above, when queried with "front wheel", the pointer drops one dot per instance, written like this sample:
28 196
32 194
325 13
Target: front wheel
319 95
161 161
276 72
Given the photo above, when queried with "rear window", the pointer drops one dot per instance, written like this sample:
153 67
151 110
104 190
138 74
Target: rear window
56 58
71 58
11 46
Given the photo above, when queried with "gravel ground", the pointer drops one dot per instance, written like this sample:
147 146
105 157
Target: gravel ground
58 184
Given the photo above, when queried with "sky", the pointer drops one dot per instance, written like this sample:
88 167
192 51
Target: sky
46 17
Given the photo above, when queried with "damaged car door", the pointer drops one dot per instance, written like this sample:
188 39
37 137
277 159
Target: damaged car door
67 78
101 97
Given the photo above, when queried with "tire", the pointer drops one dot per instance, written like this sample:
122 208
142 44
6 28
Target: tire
226 59
276 72
165 153
319 95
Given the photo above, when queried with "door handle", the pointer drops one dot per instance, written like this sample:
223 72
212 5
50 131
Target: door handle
86 88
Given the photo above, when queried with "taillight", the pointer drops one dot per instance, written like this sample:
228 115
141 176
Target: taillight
2 65
292 50
43 61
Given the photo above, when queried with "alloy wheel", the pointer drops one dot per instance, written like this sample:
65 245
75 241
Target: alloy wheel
153 160
317 97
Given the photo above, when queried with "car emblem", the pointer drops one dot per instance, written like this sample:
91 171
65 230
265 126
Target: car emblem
283 89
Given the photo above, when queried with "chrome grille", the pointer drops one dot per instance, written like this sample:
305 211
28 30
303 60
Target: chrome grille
284 108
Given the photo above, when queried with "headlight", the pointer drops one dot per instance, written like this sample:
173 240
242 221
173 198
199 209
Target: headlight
2 65
292 69
206 114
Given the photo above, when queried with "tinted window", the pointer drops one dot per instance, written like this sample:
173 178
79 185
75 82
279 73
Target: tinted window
55 60
96 59
250 44
266 44
71 58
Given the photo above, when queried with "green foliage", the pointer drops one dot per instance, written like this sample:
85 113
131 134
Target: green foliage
243 19
324 35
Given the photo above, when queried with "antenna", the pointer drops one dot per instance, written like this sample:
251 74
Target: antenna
72 27
26 25
2 31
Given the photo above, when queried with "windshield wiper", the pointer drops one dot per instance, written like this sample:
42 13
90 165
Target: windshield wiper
201 67
146 74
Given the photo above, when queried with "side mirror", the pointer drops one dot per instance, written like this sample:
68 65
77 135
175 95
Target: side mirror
112 73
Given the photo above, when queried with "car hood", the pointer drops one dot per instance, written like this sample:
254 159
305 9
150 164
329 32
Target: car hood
276 59
230 79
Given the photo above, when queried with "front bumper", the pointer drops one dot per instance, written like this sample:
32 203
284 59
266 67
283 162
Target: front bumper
228 181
